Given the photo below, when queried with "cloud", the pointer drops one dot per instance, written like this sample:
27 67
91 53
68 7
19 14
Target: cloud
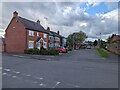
67 17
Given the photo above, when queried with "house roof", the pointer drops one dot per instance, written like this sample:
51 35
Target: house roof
28 24
116 38
55 34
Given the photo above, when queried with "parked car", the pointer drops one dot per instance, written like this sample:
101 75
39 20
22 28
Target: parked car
62 49
82 46
88 47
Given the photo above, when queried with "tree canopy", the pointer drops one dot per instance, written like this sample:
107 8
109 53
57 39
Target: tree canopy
76 38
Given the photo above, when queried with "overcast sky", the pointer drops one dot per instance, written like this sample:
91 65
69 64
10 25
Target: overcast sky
90 17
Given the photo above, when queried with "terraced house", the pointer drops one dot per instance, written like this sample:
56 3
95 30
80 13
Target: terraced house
22 34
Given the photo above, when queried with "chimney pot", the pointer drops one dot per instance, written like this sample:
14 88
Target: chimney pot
15 14
48 28
58 32
38 21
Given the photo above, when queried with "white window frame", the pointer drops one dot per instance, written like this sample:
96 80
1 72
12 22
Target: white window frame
30 44
45 35
45 44
37 33
51 38
51 45
57 39
31 33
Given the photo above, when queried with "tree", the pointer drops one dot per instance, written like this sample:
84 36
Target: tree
76 39
109 39
95 43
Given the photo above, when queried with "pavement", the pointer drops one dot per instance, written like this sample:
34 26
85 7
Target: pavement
76 69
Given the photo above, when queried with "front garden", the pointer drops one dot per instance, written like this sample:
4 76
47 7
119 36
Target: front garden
42 52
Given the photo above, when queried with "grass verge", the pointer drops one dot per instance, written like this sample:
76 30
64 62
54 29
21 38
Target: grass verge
102 52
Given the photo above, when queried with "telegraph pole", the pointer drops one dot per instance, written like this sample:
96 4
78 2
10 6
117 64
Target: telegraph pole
100 40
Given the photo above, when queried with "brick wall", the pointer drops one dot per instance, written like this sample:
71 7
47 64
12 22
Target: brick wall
15 37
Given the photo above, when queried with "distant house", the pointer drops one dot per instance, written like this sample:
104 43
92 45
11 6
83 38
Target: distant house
115 44
22 34
2 44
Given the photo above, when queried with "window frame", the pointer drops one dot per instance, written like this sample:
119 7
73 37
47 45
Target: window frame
29 46
44 35
31 33
37 33
45 44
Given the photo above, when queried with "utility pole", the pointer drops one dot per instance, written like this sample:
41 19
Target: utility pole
100 40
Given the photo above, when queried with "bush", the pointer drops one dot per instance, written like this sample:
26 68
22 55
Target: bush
53 52
42 52
70 49
32 51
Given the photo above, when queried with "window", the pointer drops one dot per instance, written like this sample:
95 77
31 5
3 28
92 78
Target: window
57 39
57 45
31 44
31 33
51 38
45 44
50 45
45 35
37 33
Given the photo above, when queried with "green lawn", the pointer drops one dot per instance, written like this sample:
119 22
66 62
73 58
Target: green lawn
102 52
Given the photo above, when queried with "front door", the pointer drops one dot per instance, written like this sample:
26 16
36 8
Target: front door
38 45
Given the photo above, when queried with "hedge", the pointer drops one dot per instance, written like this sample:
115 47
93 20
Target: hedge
42 52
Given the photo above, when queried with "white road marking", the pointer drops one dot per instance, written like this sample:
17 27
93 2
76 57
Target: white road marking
38 78
18 56
7 70
14 76
4 73
0 68
42 84
16 72
56 84
28 75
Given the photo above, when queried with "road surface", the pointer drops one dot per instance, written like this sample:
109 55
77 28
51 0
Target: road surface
77 69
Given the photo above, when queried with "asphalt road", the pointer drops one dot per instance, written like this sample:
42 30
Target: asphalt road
76 69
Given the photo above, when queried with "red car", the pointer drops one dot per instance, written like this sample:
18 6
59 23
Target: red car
61 49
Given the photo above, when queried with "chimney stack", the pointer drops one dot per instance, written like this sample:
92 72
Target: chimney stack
38 21
58 32
48 28
15 14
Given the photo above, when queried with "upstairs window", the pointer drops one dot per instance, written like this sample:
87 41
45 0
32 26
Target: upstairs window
57 39
51 38
45 35
37 33
31 33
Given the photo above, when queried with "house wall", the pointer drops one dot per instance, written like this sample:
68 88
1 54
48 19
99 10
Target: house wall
34 38
15 37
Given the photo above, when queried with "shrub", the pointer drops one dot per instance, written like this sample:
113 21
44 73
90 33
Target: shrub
32 51
42 52
53 52
70 49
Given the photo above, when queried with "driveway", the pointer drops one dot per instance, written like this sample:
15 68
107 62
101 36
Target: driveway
76 69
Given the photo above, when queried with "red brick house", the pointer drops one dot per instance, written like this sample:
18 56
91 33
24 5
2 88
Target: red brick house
115 44
22 34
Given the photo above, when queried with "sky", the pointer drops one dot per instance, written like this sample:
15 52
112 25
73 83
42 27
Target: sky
89 16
